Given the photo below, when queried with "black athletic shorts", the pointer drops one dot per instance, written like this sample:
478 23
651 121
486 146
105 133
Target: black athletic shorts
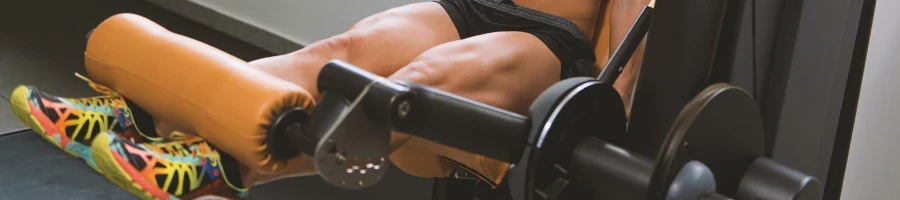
564 38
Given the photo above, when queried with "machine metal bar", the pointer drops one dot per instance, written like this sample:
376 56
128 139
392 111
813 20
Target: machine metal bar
625 50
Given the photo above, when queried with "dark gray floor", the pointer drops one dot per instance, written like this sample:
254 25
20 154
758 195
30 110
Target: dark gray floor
41 44
43 40
35 169
8 121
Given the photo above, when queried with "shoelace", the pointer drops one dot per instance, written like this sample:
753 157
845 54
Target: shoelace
180 159
200 149
97 103
102 102
196 147
176 136
186 147
97 87
84 123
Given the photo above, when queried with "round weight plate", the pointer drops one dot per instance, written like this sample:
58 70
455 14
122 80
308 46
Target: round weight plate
722 128
587 109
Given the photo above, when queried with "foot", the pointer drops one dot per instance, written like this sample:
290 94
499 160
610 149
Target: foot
72 123
179 169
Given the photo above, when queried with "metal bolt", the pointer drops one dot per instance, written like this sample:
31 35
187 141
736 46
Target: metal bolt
340 156
403 109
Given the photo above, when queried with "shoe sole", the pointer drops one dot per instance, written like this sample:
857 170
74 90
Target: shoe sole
29 114
129 178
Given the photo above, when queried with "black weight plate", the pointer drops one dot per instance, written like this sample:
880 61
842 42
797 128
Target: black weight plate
519 176
542 107
587 109
722 128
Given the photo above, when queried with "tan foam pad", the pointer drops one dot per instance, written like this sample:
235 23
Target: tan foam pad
192 85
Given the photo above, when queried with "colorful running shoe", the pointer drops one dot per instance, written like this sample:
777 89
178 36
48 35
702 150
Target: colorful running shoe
72 123
179 169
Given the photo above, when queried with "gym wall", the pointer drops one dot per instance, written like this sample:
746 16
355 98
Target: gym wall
279 26
302 21
872 167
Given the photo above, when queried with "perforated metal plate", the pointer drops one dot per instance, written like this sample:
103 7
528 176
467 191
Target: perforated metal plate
353 151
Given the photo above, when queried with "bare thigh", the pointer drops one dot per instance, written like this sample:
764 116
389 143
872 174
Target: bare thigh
381 43
508 70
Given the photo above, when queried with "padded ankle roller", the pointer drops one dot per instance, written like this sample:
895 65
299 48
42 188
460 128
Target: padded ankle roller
194 86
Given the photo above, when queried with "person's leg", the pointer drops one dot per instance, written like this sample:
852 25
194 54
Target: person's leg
381 43
503 69
508 70
622 16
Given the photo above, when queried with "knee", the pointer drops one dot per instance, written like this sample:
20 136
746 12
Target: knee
339 42
334 47
447 75
442 65
421 71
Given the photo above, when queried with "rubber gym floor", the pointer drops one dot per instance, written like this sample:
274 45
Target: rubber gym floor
41 44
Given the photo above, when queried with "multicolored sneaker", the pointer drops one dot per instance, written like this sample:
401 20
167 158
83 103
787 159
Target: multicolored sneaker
72 123
179 169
